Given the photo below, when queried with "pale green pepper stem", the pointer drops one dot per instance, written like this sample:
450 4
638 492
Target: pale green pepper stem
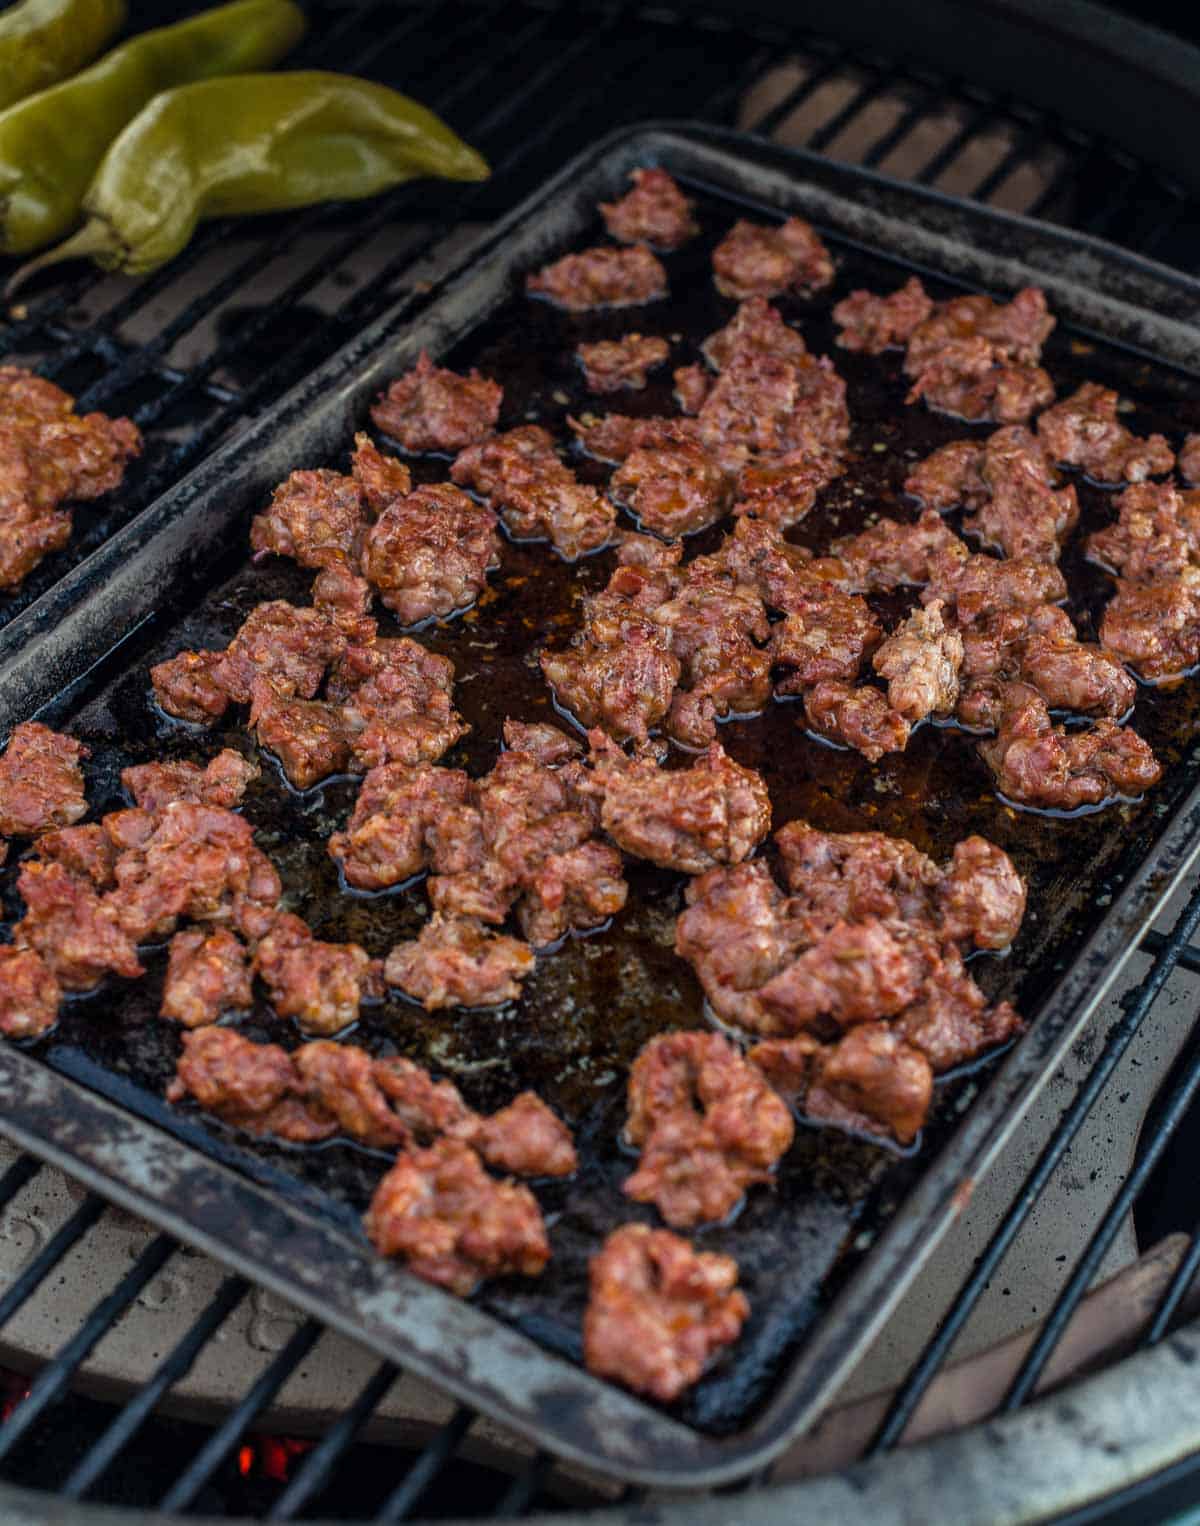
94 241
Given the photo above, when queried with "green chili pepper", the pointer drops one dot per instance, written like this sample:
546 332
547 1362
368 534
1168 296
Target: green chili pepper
43 41
257 143
52 144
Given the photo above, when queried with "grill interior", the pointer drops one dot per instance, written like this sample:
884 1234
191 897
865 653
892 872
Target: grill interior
218 336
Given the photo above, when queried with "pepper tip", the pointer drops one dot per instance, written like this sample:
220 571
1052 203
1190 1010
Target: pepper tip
92 241
19 277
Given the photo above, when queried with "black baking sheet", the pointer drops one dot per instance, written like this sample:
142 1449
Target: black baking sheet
813 1265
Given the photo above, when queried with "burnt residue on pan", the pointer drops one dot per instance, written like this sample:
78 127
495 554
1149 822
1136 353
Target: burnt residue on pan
593 1003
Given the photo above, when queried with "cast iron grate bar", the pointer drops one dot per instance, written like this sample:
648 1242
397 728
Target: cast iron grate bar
1150 1151
1168 222
1119 1039
174 1366
118 349
317 44
19 1174
796 97
217 1448
315 1471
715 107
1059 186
1021 152
54 1379
825 134
523 1490
1188 957
404 1499
62 1241
978 120
1176 1290
926 101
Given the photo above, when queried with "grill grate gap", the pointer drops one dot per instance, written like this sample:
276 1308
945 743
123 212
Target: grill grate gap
429 1465
1123 1033
176 1365
320 1463
213 1453
1052 1331
53 1380
973 128
48 1258
521 1494
1185 1275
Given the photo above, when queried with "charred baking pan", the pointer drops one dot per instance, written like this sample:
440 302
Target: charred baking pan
827 1252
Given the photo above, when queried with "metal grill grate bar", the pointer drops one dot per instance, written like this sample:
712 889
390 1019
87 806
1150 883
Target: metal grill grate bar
1017 155
17 331
828 131
1166 224
19 1174
895 135
213 1453
47 1259
1188 957
934 1355
400 1504
53 1380
718 103
980 118
1181 1281
317 45
1081 1278
517 1499
796 97
313 1474
176 1365
1060 184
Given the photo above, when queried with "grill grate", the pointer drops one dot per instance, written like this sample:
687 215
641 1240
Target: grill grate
1168 953
190 365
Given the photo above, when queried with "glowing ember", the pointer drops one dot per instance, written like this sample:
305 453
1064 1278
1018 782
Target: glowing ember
13 1388
278 1454
271 1456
